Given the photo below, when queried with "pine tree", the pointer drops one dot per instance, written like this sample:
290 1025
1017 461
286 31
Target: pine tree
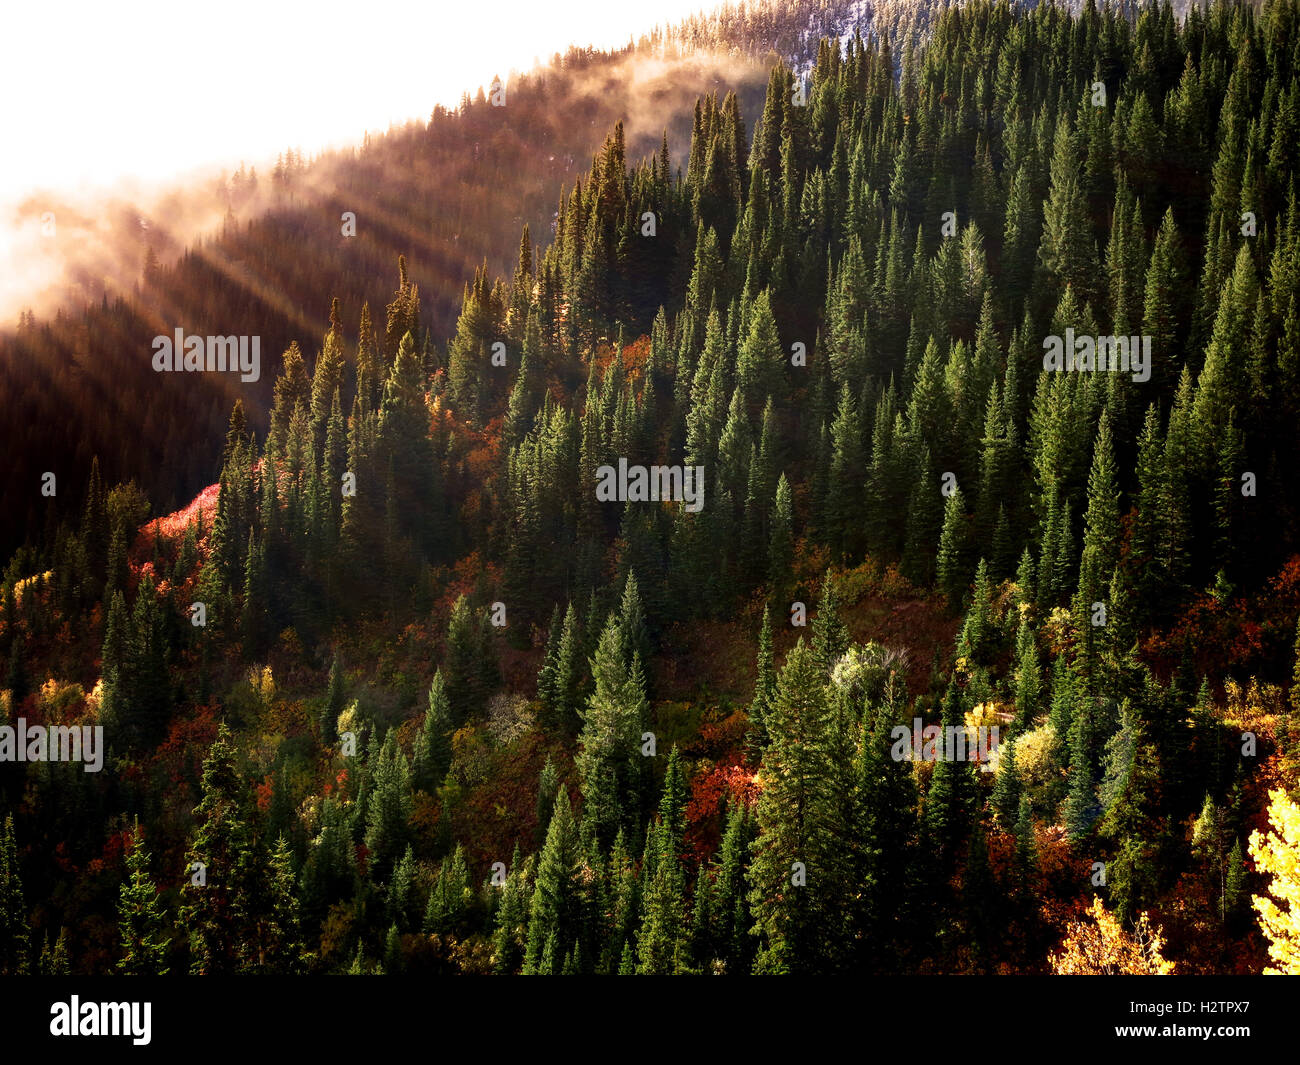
759 360
1102 530
15 933
924 523
115 696
1029 681
334 703
450 898
1220 388
462 665
780 551
1081 806
1006 788
951 574
431 757
548 787
510 937
735 943
389 812
281 925
661 942
830 636
609 763
1068 251
219 895
140 917
402 446
794 895
634 636
1163 303
662 939
975 643
1026 858
54 960
701 926
845 516
255 615
292 387
764 686
329 874
565 692
552 912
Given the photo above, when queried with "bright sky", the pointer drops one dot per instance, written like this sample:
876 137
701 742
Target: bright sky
91 92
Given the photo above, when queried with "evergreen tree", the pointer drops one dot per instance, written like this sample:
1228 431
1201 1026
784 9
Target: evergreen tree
830 636
610 762
15 934
510 938
220 892
280 934
552 920
764 685
431 757
389 812
950 562
780 551
334 703
794 893
140 917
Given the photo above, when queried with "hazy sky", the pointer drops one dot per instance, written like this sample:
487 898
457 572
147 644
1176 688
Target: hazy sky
92 92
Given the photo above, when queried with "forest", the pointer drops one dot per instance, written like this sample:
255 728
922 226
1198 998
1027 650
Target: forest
409 688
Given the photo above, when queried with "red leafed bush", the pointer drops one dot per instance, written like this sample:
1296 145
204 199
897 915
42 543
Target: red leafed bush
180 756
723 739
707 809
115 848
172 526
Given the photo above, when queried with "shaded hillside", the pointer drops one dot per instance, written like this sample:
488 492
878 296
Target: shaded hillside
449 194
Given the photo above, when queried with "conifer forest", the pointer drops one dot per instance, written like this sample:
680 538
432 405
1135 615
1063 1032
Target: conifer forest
815 490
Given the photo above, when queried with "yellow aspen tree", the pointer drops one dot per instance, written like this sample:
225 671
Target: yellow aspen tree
1099 946
1278 854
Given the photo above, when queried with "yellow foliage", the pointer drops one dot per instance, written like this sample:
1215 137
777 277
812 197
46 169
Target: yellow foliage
57 699
35 582
1035 765
1278 854
1099 946
986 715
1058 629
469 756
263 684
1256 707
290 644
350 719
93 698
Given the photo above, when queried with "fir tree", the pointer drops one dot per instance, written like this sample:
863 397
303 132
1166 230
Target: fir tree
764 685
609 763
220 892
15 934
140 917
793 894
552 913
